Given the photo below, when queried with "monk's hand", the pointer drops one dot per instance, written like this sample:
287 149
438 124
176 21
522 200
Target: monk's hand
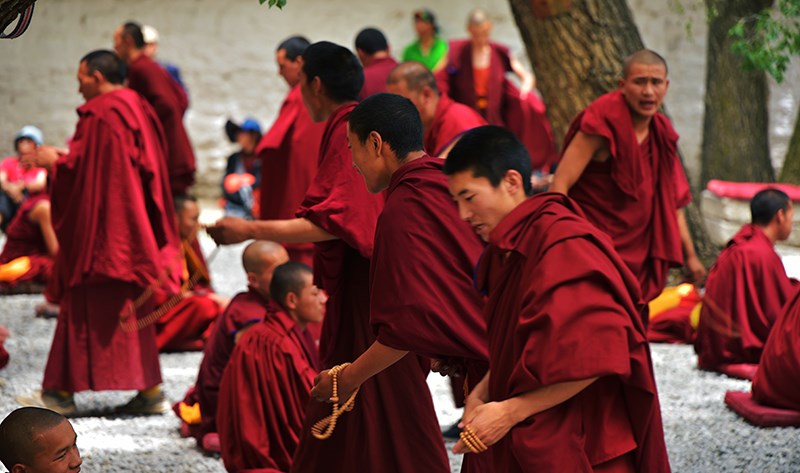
229 230
489 422
42 156
323 387
695 272
447 367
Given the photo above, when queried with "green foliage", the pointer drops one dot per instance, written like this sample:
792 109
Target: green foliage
273 3
767 41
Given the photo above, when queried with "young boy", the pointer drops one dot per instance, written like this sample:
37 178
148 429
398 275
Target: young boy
37 440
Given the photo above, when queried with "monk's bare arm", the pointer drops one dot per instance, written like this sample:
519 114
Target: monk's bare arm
695 271
41 216
230 230
528 78
580 151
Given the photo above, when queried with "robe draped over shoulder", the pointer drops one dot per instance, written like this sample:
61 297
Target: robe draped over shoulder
450 121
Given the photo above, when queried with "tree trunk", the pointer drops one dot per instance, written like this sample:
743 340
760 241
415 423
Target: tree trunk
735 140
10 11
791 164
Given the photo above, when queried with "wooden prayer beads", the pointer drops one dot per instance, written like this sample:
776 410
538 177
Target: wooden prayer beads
473 443
324 428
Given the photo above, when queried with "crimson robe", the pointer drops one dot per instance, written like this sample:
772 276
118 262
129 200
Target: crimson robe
564 307
423 300
338 202
24 238
525 117
375 76
775 382
450 120
4 357
112 213
170 102
246 308
263 394
746 291
288 153
635 194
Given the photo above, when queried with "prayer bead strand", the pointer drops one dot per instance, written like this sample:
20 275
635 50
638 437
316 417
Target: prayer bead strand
323 429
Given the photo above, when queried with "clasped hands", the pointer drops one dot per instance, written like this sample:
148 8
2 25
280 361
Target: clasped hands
488 421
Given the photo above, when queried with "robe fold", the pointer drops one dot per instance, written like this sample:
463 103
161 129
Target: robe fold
634 195
170 102
746 291
338 202
288 153
263 394
550 321
113 216
525 117
451 120
775 382
24 239
375 76
4 357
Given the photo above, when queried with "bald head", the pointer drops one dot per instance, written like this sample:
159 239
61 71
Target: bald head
262 253
415 75
645 57
478 16
21 433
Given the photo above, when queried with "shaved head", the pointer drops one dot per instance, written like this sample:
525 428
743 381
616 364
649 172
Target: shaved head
478 16
415 75
263 253
19 432
643 56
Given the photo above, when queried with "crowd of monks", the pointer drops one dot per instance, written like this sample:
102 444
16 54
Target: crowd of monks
402 228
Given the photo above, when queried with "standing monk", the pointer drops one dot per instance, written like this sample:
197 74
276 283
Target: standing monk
443 119
112 216
168 99
621 164
422 298
289 150
373 52
571 384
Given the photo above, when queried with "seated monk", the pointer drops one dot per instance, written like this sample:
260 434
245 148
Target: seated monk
746 288
186 322
265 388
31 245
199 407
4 333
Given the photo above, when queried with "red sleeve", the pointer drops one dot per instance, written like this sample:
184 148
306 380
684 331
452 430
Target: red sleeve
683 194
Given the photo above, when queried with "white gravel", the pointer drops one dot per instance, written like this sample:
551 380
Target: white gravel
702 435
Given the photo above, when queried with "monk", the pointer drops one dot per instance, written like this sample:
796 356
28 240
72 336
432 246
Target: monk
558 297
265 387
189 315
36 440
421 293
443 119
621 164
199 407
340 215
31 245
475 75
373 52
112 182
169 100
747 287
289 150
775 382
4 356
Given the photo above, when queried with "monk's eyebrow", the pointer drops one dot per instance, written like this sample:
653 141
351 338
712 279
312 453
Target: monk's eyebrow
462 192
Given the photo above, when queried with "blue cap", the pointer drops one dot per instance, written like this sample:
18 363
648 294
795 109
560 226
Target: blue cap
232 129
32 133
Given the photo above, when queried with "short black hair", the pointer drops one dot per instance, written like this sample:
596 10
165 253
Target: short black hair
490 151
371 41
338 69
294 46
18 430
111 66
287 278
179 201
765 204
133 30
393 117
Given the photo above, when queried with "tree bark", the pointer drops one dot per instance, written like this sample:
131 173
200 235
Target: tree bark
735 126
791 164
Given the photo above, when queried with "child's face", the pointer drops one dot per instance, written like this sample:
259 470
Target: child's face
310 302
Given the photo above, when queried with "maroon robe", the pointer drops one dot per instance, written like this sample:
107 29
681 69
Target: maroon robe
526 117
375 76
169 100
246 308
263 394
113 216
635 194
775 382
24 238
746 291
551 321
450 121
338 202
288 153
423 300
4 357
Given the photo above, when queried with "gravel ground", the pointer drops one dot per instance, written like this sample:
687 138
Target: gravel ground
702 435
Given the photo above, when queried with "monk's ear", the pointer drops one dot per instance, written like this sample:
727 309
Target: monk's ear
18 468
291 301
512 181
252 281
375 142
316 85
620 82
